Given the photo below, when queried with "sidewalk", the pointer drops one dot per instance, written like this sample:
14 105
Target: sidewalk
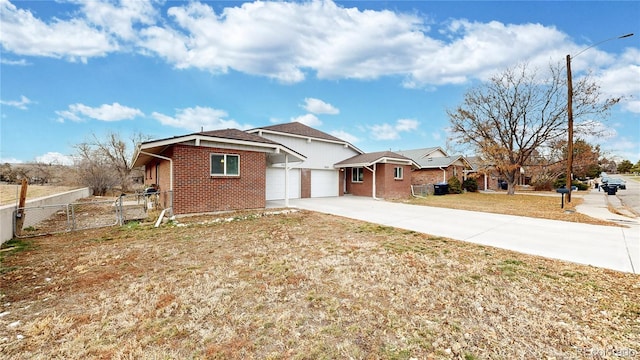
598 204
611 247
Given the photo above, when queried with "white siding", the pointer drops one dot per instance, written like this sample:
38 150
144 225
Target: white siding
320 154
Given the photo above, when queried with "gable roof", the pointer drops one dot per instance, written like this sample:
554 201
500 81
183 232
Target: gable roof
441 161
300 130
369 159
148 150
421 153
297 128
235 134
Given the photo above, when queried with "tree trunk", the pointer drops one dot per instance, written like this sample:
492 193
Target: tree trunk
511 181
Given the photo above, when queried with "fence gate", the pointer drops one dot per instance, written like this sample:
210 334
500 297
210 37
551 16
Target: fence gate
87 214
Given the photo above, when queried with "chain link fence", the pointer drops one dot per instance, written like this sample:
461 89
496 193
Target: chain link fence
422 190
87 213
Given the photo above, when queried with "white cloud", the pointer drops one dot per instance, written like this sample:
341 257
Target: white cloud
120 20
622 80
20 104
105 112
340 134
24 34
392 132
287 41
281 40
308 119
199 118
55 158
10 160
21 62
318 106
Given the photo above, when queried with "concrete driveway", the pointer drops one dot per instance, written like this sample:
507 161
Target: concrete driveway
608 247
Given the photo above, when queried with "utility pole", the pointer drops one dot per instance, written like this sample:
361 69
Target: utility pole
568 183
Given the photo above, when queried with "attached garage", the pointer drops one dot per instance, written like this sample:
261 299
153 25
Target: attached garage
276 183
324 183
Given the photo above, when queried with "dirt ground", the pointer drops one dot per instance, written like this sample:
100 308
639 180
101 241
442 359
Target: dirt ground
301 285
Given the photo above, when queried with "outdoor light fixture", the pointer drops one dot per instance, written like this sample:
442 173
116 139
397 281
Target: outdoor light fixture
568 182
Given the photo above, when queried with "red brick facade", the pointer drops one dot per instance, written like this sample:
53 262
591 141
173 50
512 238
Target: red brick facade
387 187
197 191
305 183
436 176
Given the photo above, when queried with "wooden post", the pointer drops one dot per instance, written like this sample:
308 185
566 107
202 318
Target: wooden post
569 181
23 199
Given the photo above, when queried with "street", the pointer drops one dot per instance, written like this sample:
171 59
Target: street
631 196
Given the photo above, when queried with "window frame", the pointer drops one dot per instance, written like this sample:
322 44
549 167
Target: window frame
225 169
398 170
354 174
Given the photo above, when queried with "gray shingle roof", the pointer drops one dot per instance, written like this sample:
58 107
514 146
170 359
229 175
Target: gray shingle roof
235 134
417 154
370 158
300 129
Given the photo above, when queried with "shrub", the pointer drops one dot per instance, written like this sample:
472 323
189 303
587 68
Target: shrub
579 184
454 185
470 185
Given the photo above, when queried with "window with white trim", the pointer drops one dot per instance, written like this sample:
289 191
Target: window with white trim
357 174
397 173
225 165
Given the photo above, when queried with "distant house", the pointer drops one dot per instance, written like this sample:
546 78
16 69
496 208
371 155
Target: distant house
485 174
380 175
436 166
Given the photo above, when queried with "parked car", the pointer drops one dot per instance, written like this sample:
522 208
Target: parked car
619 183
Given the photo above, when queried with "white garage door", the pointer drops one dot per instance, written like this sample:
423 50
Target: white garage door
324 183
275 184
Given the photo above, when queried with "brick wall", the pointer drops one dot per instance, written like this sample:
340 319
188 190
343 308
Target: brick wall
386 186
196 191
305 183
359 189
435 176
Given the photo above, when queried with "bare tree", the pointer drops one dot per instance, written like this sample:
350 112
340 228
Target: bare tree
518 112
105 163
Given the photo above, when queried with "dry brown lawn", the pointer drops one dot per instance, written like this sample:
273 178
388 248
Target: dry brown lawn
303 285
9 194
545 205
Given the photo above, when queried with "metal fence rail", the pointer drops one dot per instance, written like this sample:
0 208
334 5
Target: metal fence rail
422 190
86 214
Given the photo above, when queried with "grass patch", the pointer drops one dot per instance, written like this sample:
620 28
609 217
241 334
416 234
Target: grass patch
301 285
536 205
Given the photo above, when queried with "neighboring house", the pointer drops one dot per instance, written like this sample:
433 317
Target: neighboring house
380 175
435 166
485 174
212 170
316 175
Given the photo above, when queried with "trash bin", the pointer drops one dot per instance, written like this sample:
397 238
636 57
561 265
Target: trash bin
611 190
440 189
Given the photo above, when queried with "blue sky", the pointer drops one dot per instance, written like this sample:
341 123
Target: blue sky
379 74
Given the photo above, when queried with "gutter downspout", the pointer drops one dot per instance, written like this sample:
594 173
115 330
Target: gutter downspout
444 174
170 172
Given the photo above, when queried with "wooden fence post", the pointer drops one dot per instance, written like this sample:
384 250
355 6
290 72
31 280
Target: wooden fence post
20 214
